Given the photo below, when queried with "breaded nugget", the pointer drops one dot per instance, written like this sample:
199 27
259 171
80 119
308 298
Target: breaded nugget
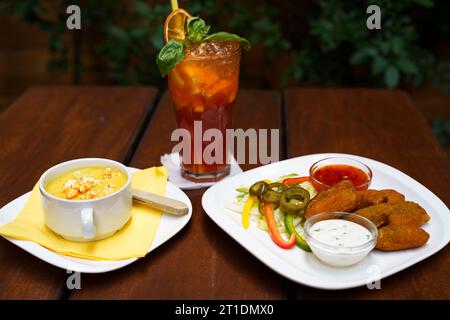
370 197
367 198
392 196
392 238
341 197
408 213
378 213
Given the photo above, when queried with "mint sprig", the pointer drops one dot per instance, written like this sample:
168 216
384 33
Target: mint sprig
197 31
169 56
225 36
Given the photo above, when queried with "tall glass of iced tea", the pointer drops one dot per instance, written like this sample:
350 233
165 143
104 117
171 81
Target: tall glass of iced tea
203 87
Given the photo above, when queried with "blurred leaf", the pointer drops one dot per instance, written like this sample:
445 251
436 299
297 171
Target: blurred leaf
142 8
156 38
407 66
379 65
55 43
391 77
397 45
359 56
385 47
425 3
139 32
117 32
5 6
441 128
57 64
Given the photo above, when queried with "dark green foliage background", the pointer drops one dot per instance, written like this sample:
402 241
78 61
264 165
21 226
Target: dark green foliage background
337 50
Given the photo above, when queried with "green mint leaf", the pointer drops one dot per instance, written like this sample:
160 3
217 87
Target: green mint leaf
197 29
169 56
225 36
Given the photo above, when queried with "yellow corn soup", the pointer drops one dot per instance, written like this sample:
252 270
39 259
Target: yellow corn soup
87 183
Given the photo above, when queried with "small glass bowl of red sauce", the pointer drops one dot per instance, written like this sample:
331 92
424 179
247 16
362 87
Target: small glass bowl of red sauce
330 171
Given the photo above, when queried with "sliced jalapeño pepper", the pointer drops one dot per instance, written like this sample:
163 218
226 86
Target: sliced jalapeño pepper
278 187
273 193
258 189
294 199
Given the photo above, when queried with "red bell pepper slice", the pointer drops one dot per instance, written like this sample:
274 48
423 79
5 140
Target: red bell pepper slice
296 180
274 232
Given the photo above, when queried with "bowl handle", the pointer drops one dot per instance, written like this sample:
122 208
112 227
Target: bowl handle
87 223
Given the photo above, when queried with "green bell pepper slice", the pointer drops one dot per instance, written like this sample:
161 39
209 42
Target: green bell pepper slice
290 228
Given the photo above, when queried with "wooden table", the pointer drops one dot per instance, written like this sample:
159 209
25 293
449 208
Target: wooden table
47 125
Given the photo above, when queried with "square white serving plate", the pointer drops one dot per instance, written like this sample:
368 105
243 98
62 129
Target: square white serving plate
168 227
303 267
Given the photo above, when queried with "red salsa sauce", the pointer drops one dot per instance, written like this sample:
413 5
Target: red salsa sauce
332 174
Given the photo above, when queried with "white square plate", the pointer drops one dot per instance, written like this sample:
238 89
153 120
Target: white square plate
302 267
168 227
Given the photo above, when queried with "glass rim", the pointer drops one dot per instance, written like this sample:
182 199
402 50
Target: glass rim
361 165
327 215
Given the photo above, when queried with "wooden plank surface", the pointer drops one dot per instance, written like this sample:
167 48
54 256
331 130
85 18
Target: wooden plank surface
385 126
201 262
48 125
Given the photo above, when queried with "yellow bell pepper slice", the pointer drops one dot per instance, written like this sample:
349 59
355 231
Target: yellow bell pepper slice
245 213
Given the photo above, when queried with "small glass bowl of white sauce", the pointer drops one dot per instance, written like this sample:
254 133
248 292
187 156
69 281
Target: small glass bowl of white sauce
340 239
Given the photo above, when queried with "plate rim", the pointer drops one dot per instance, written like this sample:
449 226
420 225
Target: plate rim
283 270
31 246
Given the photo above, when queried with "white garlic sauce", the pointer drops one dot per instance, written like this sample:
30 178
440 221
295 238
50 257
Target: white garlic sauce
341 233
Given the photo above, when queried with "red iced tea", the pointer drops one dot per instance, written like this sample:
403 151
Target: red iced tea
203 87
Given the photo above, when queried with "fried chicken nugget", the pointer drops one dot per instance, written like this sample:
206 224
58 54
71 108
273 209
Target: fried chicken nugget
408 213
399 237
367 198
340 197
378 213
392 196
370 197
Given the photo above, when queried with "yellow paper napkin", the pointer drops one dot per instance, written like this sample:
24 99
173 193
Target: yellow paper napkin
133 240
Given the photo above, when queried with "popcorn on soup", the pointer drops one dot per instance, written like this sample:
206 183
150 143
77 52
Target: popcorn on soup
87 183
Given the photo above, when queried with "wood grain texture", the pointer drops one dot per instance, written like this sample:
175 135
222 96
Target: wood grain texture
201 262
48 125
385 126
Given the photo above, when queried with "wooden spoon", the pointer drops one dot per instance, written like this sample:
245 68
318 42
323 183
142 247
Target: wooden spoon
155 201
